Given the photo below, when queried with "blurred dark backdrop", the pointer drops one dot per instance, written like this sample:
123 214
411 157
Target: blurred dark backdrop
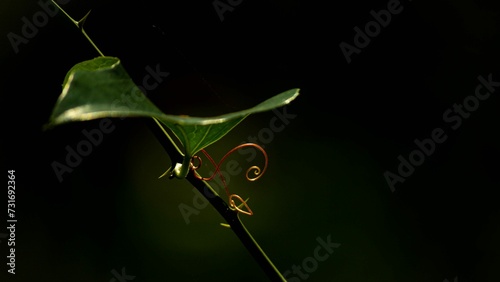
111 215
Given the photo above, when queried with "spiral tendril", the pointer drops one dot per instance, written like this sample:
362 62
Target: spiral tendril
196 163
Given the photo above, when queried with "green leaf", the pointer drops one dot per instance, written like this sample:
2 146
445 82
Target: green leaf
101 88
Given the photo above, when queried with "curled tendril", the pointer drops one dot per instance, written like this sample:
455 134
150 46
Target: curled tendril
244 204
196 163
256 170
195 167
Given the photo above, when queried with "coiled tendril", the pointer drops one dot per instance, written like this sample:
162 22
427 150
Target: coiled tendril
196 163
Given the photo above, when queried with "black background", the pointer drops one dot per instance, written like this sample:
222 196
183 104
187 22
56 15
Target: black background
326 171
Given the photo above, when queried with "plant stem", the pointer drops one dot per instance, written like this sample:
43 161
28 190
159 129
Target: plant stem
229 214
232 218
79 24
176 156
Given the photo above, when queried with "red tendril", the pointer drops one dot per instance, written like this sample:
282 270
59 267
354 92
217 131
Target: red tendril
257 171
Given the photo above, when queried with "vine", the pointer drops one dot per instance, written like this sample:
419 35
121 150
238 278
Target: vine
80 102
